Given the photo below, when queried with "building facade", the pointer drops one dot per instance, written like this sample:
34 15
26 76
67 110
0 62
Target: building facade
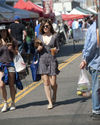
65 6
89 3
86 3
83 3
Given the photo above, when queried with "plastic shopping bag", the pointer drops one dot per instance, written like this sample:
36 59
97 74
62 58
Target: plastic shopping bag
83 82
19 63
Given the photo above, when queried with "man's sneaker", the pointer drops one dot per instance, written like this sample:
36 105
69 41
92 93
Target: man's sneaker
13 107
95 116
5 107
97 112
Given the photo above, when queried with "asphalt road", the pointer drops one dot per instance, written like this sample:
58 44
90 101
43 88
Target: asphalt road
69 109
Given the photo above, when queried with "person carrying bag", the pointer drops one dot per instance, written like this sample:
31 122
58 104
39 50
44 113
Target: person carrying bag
84 88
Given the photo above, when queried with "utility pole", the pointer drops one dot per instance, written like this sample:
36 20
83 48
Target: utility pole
97 2
99 21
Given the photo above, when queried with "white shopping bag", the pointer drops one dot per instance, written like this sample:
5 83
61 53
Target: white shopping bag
19 63
83 82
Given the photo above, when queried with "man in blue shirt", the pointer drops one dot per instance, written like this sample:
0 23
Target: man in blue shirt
91 59
75 30
37 28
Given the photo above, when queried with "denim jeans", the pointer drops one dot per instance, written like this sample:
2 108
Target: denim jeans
29 47
95 89
20 47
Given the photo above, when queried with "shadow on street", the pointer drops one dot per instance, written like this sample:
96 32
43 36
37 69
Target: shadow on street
45 102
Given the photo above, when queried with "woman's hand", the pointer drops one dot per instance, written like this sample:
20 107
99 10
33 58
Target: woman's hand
39 48
10 47
83 64
53 51
15 52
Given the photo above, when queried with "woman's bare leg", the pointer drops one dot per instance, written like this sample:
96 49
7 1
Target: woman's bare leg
3 93
54 87
46 82
3 88
11 85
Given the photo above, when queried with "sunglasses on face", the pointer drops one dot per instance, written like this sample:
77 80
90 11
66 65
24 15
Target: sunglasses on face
46 26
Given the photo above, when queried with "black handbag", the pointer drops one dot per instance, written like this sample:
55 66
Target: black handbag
34 67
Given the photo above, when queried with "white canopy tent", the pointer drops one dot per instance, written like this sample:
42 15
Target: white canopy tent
57 13
65 12
93 11
75 11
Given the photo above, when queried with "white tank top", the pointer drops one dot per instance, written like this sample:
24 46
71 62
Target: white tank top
47 39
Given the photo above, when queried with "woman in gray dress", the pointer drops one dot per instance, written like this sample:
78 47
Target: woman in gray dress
48 66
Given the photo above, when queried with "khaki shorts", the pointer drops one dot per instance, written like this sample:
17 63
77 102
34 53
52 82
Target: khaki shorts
11 69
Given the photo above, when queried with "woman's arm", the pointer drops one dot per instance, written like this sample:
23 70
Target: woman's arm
39 48
13 47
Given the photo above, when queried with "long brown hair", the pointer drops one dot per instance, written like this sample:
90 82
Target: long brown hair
8 39
42 26
37 43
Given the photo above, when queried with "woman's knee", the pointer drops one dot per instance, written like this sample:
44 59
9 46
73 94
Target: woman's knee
54 84
11 80
2 85
46 80
11 86
46 84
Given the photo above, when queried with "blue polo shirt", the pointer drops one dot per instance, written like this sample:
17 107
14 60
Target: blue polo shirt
91 52
37 28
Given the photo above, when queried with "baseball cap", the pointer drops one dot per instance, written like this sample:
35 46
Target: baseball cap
2 27
16 17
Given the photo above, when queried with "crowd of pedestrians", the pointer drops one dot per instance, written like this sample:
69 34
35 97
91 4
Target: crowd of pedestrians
20 38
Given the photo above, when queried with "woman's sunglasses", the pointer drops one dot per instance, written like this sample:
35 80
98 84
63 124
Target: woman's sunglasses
46 26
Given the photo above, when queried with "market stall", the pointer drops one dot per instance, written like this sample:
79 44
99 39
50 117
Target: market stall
6 14
29 6
73 16
20 4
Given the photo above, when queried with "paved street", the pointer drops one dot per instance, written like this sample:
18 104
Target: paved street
69 109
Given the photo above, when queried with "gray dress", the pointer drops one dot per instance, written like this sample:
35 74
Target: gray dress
48 64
